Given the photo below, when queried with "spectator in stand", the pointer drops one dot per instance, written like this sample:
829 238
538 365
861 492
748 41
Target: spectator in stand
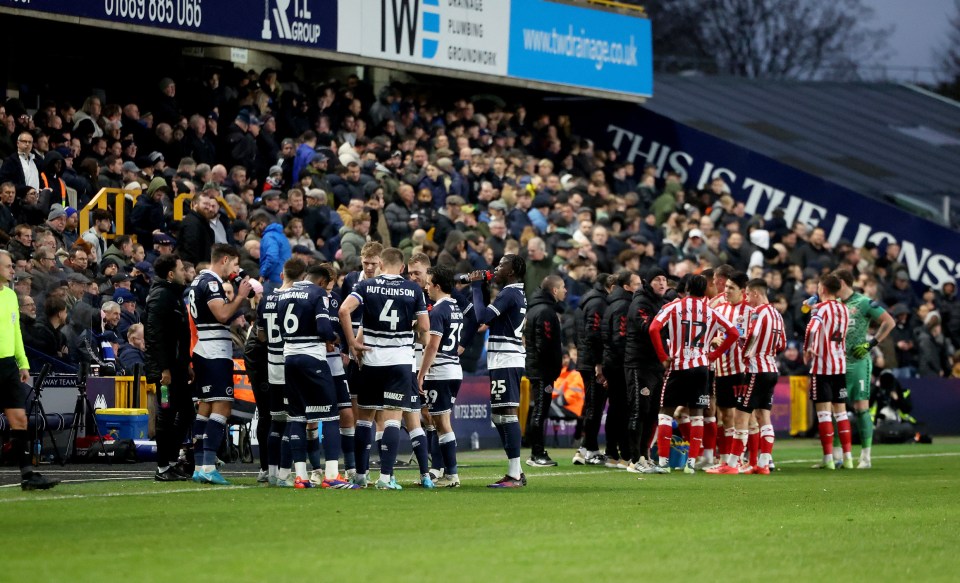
274 250
196 231
121 251
8 193
132 353
21 244
148 217
46 335
296 236
23 167
96 235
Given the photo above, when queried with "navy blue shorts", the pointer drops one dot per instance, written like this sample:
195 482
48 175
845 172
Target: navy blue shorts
412 404
383 387
278 403
505 387
309 389
353 378
342 388
213 379
441 395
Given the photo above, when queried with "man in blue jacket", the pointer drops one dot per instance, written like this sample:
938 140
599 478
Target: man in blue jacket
274 250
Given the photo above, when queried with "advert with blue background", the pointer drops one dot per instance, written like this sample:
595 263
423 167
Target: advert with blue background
580 46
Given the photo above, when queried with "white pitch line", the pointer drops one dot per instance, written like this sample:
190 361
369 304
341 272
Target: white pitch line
121 494
879 457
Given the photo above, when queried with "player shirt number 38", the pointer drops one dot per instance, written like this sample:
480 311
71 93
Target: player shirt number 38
826 338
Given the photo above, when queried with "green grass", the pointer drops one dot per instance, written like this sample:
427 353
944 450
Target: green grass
895 522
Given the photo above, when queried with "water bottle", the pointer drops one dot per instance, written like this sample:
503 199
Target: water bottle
809 304
164 397
37 448
474 441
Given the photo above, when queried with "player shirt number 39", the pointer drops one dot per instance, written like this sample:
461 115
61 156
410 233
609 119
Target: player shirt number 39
826 338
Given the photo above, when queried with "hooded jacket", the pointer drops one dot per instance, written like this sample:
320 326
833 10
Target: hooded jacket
639 351
541 336
274 252
589 316
613 328
167 332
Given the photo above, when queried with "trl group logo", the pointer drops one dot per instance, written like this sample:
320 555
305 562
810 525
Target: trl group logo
301 28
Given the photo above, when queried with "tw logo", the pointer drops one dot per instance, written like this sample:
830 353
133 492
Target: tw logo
299 29
403 18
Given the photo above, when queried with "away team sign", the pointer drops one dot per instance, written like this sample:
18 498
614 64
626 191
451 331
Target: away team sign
467 35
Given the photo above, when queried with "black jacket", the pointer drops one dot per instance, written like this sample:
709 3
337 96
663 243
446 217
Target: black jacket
639 351
613 328
167 332
146 218
589 316
541 336
196 238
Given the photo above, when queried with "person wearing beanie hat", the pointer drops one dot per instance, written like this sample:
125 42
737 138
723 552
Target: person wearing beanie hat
71 229
147 217
643 369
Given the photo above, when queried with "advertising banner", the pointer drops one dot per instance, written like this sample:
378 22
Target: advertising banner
928 251
584 47
306 23
467 35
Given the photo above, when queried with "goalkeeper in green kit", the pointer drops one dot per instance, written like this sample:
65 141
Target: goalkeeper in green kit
863 312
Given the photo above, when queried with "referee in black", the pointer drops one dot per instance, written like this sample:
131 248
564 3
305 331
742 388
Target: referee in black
167 361
14 371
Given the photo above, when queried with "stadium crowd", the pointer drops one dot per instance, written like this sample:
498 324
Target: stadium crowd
280 169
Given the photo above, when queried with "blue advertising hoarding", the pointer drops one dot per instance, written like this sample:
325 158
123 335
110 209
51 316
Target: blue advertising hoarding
929 252
306 23
583 47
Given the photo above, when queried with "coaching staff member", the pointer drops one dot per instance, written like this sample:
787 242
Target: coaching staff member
15 370
167 362
541 336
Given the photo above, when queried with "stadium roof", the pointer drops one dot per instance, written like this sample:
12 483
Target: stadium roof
874 138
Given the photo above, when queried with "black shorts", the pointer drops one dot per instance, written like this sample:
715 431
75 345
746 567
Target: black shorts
686 388
342 388
309 389
759 392
12 395
505 387
213 379
828 388
383 387
728 390
441 395
412 404
278 403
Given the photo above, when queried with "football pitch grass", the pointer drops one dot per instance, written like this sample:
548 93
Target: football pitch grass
896 522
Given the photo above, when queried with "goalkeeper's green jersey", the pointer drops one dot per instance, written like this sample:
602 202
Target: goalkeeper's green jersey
862 310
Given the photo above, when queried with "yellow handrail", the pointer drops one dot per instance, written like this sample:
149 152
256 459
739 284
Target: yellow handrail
178 206
621 5
101 201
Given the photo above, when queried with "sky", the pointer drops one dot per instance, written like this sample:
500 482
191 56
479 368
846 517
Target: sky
921 27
